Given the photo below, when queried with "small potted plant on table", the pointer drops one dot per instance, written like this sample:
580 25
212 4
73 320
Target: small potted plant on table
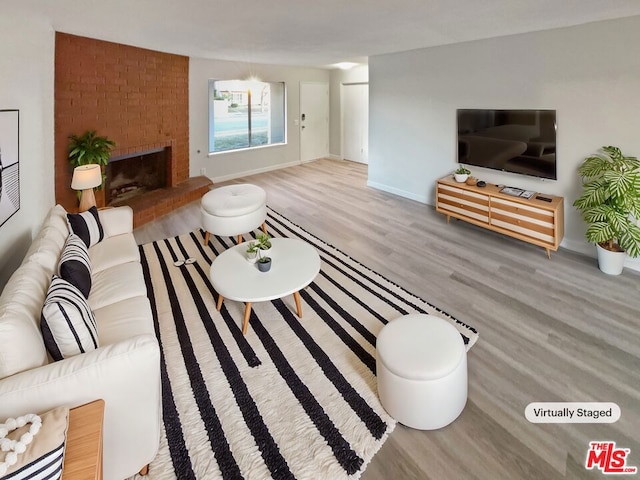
263 240
263 243
264 264
252 252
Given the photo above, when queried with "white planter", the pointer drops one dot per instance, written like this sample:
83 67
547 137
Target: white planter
610 262
460 177
252 257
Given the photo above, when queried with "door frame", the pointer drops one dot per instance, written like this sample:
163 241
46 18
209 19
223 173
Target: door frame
299 120
342 86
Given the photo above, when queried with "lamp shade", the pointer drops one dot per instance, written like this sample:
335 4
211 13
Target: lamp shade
86 176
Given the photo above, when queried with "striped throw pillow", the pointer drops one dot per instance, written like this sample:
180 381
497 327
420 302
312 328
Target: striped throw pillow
67 323
87 226
75 266
43 459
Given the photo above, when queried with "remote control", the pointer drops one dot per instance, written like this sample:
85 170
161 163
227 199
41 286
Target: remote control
544 199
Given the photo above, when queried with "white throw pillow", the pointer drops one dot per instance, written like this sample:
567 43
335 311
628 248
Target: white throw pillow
67 323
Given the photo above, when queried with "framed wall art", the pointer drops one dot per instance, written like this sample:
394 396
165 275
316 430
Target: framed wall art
9 164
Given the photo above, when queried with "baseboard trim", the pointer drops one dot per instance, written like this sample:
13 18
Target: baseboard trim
246 173
399 192
334 157
632 264
590 251
579 247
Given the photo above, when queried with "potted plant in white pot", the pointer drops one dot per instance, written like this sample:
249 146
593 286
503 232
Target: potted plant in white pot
610 204
252 252
263 242
461 174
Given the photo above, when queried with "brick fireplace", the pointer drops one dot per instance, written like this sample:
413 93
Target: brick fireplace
129 176
136 97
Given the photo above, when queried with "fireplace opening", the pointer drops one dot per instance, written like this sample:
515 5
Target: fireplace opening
128 176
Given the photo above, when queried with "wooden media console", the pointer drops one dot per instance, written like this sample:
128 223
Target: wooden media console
531 220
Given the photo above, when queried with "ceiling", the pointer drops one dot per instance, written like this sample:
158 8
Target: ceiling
311 33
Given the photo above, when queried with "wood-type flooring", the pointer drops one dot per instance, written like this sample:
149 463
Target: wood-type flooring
554 330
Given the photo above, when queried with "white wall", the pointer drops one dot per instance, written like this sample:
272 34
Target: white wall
590 74
358 74
229 165
26 84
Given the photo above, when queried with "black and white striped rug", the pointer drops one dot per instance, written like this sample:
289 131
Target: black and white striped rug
295 398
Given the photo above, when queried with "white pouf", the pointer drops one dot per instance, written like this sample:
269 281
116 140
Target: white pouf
421 365
233 210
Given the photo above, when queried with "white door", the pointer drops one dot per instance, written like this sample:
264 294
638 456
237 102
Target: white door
355 122
314 121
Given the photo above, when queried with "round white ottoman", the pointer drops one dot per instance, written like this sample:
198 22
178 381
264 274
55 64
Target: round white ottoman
421 366
233 210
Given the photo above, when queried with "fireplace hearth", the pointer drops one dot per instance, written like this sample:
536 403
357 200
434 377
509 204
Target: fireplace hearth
131 175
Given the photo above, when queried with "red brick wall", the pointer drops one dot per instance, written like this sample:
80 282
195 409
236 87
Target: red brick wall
138 98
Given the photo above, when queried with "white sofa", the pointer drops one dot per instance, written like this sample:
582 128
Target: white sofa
124 370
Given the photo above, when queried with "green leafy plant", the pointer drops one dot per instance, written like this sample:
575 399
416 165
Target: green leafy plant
609 200
462 171
89 148
252 247
264 259
263 241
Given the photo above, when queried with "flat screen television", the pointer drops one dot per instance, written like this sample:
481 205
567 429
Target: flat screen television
516 141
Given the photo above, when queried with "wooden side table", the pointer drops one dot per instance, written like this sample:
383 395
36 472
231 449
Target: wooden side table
83 452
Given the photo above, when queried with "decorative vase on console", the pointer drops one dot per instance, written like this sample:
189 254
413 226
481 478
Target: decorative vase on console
461 174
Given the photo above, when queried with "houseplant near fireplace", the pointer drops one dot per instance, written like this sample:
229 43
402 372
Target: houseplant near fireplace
610 204
89 148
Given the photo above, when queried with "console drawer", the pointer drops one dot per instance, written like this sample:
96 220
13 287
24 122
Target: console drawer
463 203
518 209
526 220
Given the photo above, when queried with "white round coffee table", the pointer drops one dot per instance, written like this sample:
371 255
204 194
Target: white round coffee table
294 265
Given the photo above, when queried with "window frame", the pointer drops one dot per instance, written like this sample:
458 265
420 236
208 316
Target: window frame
211 117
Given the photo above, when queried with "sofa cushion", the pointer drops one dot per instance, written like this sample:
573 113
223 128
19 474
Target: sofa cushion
47 246
74 265
68 324
21 345
114 251
87 226
117 283
124 319
116 221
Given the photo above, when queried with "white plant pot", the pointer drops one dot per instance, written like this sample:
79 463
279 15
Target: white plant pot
460 177
610 262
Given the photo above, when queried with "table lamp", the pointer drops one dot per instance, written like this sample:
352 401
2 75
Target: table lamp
86 178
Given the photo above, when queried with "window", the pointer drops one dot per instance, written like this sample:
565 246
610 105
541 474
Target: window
245 114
